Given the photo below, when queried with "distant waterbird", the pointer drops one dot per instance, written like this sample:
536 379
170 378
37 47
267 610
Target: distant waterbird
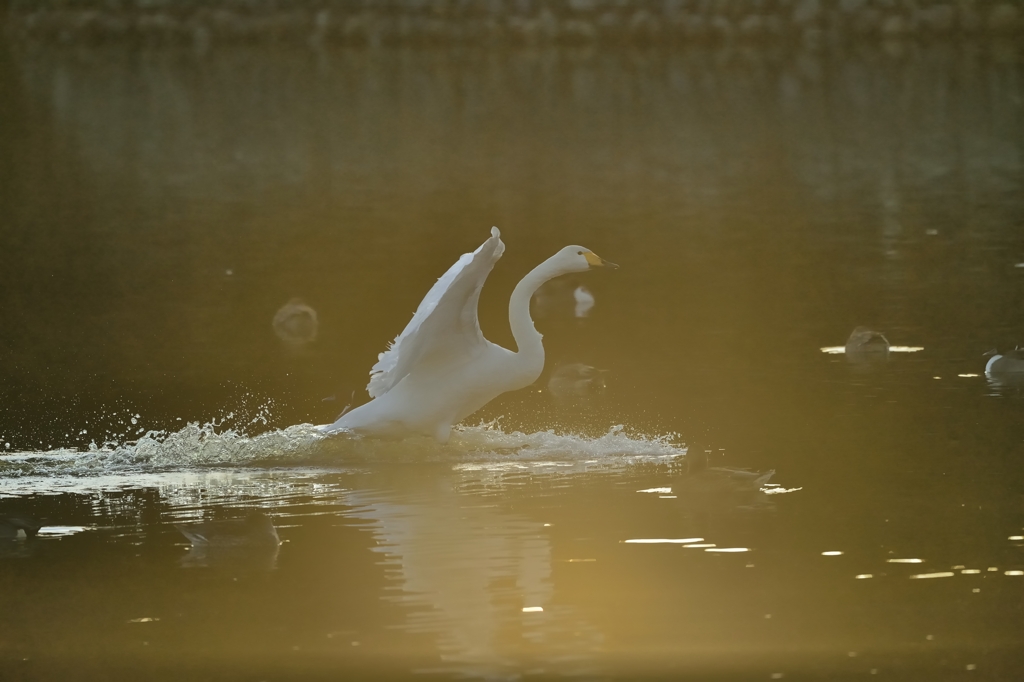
584 301
1005 370
576 381
866 345
251 542
864 340
256 529
18 527
563 298
1007 362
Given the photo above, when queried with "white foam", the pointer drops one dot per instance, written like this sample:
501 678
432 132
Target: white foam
484 447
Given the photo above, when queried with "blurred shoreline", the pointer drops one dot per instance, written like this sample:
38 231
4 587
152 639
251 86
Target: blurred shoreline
811 23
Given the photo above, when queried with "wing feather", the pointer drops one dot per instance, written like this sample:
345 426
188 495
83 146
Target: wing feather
445 323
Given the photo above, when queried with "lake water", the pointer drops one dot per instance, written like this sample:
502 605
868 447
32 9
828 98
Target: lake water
733 504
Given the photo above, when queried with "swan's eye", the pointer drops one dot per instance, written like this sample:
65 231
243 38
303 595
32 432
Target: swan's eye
579 253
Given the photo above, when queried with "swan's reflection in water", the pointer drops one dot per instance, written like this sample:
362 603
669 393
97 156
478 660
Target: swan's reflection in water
479 578
471 556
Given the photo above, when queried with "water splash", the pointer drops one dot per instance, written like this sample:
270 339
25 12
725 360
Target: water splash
489 448
195 445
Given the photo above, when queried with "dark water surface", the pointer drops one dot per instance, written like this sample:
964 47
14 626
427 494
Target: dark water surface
158 208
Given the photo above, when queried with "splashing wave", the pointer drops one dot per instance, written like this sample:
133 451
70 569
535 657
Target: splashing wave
196 446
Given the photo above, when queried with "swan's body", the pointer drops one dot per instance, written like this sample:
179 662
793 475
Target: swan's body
441 369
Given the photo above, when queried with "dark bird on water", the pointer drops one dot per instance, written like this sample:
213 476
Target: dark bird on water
256 529
18 526
577 380
1006 362
864 340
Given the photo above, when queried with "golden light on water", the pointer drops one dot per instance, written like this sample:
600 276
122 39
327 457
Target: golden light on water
779 490
939 574
839 350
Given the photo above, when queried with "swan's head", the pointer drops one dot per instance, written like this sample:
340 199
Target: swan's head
578 259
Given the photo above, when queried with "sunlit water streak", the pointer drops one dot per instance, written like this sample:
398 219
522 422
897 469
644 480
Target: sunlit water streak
840 350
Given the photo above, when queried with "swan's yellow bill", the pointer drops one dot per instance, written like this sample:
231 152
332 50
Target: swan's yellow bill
596 261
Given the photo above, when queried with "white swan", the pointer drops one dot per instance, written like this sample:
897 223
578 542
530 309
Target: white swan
441 369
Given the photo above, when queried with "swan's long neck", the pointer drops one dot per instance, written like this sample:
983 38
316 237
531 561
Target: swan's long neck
528 339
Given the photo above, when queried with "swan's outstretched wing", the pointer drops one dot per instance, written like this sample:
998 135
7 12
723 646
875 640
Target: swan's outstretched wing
445 323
